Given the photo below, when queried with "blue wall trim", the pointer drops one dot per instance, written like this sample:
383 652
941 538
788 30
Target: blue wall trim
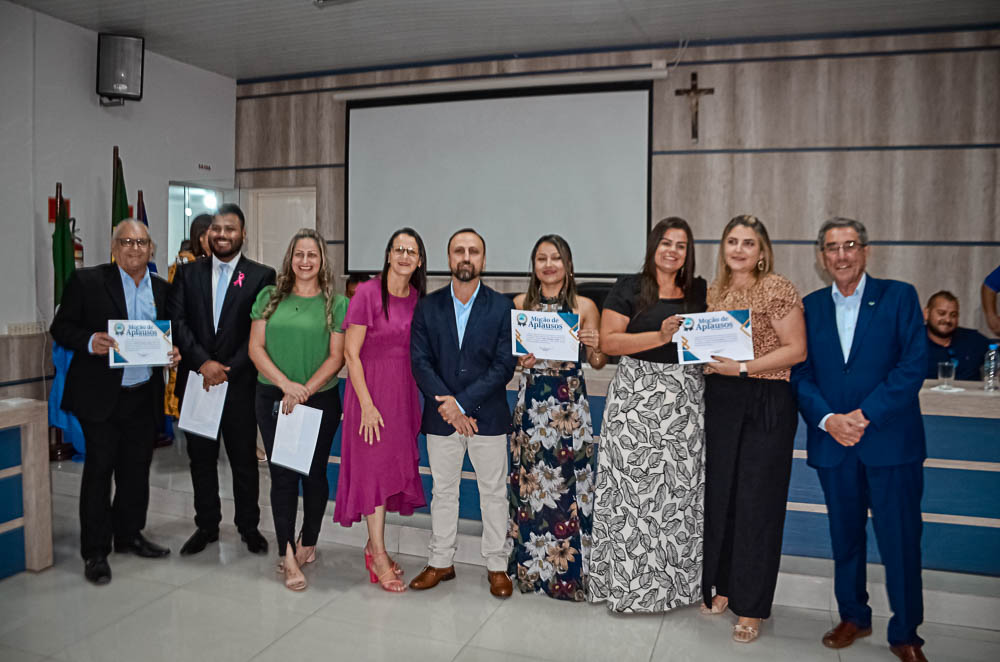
633 47
12 552
10 447
850 148
28 380
315 166
877 242
11 498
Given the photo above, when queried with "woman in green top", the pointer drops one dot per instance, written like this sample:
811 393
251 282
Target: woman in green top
298 347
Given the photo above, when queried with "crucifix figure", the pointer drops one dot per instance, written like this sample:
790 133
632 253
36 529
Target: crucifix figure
694 94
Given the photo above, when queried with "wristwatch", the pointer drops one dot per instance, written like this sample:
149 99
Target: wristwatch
743 370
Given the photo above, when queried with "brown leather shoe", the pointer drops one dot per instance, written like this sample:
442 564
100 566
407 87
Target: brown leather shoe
844 635
908 653
430 577
500 585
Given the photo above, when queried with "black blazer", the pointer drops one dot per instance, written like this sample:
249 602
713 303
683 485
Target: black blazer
477 374
189 306
92 297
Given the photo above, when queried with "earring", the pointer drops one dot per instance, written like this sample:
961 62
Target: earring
761 264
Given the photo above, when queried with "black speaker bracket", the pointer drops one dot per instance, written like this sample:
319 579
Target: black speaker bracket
107 101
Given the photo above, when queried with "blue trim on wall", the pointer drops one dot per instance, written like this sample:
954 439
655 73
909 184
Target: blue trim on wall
12 552
28 380
11 498
10 447
849 148
316 166
628 47
969 549
875 242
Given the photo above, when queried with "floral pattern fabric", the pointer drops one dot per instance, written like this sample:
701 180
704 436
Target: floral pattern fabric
551 482
649 501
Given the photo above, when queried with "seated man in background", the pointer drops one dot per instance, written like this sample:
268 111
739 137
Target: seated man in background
947 341
989 290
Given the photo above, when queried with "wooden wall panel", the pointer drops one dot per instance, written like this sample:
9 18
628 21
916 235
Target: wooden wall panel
942 98
290 130
925 195
788 101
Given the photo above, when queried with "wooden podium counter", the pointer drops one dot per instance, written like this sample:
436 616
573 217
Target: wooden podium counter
25 488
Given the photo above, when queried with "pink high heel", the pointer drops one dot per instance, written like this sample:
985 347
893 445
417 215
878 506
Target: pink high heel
368 562
389 580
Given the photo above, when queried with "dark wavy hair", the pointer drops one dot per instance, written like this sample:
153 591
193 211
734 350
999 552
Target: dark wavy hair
649 289
567 293
418 278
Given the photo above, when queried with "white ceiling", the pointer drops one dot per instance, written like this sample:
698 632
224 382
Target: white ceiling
256 38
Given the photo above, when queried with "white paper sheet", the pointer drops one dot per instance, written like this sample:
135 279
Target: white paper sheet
295 438
201 411
725 333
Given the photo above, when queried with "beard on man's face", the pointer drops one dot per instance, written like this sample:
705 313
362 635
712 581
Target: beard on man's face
941 330
465 271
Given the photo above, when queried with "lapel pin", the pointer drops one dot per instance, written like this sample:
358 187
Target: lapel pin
871 303
239 281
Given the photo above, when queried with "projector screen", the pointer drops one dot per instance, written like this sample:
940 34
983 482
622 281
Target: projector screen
574 162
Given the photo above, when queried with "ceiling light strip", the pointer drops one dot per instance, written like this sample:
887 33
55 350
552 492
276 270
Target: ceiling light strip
582 78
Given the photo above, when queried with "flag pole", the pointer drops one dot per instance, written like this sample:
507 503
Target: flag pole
138 205
59 450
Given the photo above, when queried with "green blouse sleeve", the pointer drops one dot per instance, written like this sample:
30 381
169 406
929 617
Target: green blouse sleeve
263 298
338 313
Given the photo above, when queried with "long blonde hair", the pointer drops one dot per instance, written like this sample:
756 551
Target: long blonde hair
765 265
286 278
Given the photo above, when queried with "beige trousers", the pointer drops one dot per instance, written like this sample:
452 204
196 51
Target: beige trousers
489 459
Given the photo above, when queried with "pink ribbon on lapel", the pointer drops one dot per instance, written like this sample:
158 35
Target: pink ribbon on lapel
239 280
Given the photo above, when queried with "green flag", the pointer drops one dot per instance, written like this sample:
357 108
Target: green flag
119 198
62 251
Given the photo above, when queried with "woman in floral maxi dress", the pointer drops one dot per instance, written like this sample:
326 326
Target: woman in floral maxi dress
552 445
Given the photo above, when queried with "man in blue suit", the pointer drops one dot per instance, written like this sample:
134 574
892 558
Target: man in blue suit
858 393
461 357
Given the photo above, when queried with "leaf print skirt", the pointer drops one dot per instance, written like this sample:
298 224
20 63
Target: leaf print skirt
649 500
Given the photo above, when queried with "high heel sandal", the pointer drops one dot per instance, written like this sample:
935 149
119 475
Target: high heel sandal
388 580
308 559
744 633
715 609
368 561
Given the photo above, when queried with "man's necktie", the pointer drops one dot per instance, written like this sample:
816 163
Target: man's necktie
220 291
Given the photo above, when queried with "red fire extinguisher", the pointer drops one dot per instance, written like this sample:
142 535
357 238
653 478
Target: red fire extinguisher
77 245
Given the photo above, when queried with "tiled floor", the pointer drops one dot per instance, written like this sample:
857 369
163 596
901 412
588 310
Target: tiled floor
226 604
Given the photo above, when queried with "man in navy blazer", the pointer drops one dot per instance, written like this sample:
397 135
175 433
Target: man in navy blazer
461 358
858 393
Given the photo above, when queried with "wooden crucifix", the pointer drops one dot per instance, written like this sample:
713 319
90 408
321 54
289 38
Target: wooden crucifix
693 94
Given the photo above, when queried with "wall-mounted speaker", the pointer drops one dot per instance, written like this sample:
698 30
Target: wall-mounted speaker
119 68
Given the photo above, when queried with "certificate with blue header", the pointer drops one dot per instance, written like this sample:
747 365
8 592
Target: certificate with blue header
724 333
549 336
140 343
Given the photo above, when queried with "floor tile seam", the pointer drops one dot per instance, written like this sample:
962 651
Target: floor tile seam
656 641
279 638
380 628
114 623
478 630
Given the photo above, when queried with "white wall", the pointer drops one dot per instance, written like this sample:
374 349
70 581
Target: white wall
54 129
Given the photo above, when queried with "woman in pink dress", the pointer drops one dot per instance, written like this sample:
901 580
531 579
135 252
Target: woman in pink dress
378 458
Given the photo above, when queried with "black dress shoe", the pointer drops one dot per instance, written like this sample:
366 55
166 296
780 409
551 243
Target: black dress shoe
97 571
198 541
141 547
255 542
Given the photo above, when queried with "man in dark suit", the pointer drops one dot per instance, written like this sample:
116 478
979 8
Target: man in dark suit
209 303
858 393
461 357
119 408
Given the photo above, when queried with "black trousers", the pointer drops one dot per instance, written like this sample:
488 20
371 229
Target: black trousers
120 448
749 437
239 432
285 483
